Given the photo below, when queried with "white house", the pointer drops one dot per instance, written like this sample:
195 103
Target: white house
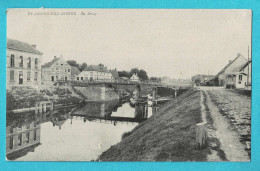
231 68
135 78
56 70
23 67
95 73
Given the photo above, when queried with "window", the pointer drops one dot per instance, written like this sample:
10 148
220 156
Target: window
57 69
53 69
34 135
65 70
35 76
52 78
12 75
36 63
240 77
29 62
27 137
68 70
20 139
61 64
12 60
28 76
21 62
81 78
77 78
57 77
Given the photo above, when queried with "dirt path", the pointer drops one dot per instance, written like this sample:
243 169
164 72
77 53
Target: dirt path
228 138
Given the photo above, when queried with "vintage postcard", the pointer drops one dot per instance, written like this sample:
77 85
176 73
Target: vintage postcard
128 85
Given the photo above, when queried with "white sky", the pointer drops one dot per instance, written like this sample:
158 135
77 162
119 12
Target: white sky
175 43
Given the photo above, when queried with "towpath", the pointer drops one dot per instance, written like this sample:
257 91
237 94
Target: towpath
228 115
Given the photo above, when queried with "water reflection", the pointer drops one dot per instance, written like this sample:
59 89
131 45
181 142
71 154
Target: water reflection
70 133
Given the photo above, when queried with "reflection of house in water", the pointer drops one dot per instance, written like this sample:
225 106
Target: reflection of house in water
22 139
23 131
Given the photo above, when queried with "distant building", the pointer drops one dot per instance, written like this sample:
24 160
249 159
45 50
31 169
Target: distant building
56 70
23 64
95 73
135 78
231 67
201 79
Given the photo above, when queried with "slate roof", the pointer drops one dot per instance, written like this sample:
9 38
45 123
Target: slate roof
48 64
21 46
99 68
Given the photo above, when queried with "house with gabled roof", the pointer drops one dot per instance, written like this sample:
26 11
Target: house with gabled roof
23 64
56 70
241 78
95 73
135 78
233 66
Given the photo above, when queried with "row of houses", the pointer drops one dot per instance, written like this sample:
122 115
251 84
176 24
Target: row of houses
24 68
236 74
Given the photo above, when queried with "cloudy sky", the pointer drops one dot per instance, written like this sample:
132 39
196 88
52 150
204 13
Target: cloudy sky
173 43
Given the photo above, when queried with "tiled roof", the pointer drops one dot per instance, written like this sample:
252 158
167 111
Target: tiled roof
48 64
74 71
21 46
99 68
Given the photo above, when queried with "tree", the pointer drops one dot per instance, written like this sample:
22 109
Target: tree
73 63
143 75
134 71
123 74
83 66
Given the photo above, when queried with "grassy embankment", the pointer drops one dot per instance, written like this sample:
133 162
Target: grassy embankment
169 135
26 97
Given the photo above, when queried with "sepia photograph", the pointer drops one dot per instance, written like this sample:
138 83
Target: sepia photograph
128 84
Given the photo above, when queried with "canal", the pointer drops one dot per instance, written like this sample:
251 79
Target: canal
65 136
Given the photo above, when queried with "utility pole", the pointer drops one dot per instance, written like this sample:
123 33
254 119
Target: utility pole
247 67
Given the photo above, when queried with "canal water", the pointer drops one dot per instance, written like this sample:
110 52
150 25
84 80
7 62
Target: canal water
64 137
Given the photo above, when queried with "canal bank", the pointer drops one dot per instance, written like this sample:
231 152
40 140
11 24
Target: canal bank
168 135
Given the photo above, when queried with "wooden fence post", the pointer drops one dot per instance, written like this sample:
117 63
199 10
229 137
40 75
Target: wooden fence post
201 135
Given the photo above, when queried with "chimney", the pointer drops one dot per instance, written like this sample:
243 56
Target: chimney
238 54
55 57
34 46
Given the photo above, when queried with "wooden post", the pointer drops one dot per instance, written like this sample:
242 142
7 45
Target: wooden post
201 135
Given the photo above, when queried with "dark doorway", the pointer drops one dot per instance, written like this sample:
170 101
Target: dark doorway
52 78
